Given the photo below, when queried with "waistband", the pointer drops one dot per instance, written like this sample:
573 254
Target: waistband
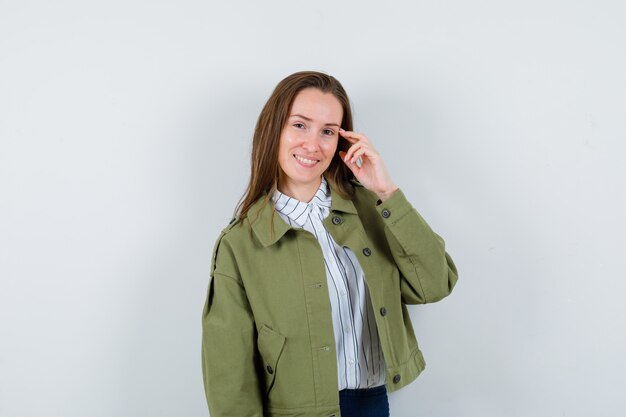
363 392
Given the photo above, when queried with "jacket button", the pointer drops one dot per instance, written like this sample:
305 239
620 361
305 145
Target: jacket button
336 220
367 251
396 379
386 213
383 311
269 369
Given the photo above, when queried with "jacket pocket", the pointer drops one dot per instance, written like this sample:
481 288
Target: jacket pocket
270 345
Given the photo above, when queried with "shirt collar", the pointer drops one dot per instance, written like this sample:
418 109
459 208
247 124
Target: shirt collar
298 210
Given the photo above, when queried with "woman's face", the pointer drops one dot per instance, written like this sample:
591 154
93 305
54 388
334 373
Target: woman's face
309 139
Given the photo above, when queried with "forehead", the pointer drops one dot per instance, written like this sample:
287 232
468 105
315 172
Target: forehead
316 105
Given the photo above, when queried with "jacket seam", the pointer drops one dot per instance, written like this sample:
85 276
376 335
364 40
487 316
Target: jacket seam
313 359
406 212
402 243
400 218
411 358
237 281
316 408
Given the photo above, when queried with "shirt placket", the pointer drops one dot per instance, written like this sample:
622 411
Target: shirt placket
341 310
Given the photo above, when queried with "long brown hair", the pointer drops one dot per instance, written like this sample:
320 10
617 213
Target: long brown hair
265 169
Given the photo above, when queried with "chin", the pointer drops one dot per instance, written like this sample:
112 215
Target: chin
300 177
306 178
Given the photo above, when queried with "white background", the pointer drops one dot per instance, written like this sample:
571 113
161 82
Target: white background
125 131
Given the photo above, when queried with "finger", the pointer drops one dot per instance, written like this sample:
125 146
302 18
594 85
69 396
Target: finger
363 152
362 149
351 134
348 138
352 166
357 139
357 155
352 149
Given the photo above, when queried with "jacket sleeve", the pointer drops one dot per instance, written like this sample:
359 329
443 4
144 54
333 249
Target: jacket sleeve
428 272
229 355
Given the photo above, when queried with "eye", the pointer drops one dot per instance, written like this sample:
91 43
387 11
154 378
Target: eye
329 132
298 124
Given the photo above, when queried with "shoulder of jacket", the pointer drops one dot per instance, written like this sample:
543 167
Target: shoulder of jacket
232 223
227 229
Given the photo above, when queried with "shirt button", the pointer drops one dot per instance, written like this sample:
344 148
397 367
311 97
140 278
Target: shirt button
386 213
383 311
367 251
351 362
336 220
269 369
396 379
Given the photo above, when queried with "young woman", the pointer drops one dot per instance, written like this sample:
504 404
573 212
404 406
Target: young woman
306 311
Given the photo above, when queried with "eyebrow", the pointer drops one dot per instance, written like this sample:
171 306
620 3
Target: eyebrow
309 119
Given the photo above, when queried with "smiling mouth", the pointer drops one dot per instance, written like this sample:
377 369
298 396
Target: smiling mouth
305 161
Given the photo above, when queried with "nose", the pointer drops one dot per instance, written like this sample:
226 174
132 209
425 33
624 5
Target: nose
310 141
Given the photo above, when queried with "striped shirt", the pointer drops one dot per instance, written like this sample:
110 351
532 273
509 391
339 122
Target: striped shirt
360 362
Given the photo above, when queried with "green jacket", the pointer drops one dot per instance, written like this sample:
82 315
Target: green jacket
268 345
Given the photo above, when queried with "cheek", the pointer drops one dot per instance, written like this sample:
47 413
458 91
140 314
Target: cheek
287 141
330 147
284 145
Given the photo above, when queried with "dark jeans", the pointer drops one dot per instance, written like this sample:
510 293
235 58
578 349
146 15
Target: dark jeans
364 402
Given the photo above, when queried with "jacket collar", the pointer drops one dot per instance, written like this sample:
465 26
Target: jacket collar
261 224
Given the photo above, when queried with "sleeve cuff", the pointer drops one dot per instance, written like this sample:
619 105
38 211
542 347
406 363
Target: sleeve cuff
393 208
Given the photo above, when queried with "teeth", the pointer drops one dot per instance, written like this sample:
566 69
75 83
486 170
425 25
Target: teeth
306 161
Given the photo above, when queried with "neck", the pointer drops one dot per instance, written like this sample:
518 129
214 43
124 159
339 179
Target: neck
301 192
